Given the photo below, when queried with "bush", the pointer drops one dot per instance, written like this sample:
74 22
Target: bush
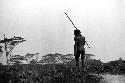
54 73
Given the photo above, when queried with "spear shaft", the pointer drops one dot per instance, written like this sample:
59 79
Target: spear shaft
74 25
70 20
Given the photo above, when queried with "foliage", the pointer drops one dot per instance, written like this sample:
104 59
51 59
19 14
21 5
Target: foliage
55 72
56 58
17 59
95 66
49 73
115 67
8 45
29 56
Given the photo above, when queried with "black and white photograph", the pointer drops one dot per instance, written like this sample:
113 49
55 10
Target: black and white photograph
62 41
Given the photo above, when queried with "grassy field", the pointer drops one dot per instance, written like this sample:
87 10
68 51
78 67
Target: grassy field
52 73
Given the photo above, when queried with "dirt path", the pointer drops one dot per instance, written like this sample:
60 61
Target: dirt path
113 79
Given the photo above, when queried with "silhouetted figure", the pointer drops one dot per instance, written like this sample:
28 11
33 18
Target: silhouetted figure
79 44
79 47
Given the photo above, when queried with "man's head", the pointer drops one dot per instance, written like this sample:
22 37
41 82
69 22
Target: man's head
77 32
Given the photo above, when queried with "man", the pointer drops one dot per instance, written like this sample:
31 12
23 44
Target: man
79 47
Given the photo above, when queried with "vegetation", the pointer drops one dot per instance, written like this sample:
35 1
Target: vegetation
52 68
46 73
8 44
115 67
49 73
64 72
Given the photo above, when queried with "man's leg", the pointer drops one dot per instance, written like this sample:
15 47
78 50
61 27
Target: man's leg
83 58
77 58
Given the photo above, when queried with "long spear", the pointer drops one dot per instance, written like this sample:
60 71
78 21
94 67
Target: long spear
70 20
74 25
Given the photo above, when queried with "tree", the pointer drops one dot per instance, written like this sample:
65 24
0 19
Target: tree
7 45
56 58
29 56
17 59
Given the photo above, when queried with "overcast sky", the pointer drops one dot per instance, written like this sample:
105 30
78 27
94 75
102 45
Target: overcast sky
47 30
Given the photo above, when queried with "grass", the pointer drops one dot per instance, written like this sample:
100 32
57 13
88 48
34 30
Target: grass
51 73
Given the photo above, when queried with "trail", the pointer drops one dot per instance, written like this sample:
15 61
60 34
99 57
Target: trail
113 78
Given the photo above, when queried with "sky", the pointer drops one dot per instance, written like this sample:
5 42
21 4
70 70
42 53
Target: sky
47 29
